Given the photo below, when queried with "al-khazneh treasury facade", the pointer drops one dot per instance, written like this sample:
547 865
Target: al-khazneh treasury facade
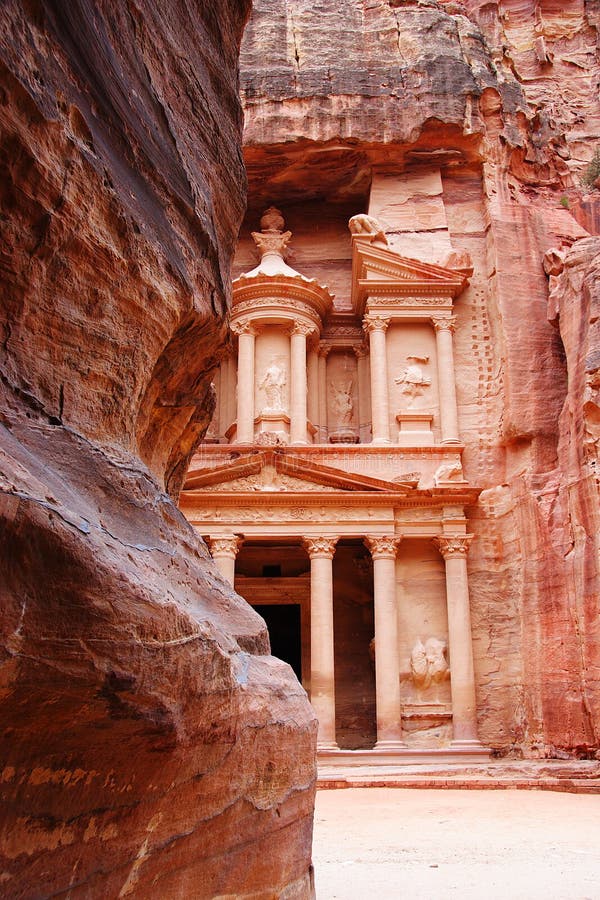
331 491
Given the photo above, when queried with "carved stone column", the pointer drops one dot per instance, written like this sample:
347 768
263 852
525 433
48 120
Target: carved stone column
245 381
298 386
444 329
312 374
364 406
224 550
387 654
323 354
322 659
462 680
376 327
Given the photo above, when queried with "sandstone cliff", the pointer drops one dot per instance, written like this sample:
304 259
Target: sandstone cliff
487 115
150 746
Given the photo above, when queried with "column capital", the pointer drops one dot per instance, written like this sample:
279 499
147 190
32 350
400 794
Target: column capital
243 326
360 351
320 547
384 546
225 545
444 323
375 322
303 328
324 349
453 545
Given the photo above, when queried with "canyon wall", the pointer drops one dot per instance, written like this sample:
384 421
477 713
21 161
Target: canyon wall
469 126
151 747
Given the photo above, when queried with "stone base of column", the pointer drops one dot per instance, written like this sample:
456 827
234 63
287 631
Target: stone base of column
327 745
453 442
390 745
470 749
381 442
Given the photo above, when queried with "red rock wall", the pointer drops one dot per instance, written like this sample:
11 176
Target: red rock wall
502 99
150 746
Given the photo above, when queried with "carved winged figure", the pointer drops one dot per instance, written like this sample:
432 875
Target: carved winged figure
273 384
342 404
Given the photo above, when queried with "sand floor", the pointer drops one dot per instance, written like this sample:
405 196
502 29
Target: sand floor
382 843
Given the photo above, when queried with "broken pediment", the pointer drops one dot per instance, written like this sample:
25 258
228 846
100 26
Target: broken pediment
277 471
378 271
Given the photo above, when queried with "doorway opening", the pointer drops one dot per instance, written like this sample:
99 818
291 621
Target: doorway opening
283 623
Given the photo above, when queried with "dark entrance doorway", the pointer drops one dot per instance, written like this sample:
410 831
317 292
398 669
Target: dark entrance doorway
283 623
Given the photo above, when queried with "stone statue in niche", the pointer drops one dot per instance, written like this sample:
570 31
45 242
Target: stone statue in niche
413 379
428 663
273 384
342 405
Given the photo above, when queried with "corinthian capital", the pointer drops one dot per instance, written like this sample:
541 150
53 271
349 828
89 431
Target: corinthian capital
453 545
323 547
225 545
243 326
373 322
444 323
384 547
302 328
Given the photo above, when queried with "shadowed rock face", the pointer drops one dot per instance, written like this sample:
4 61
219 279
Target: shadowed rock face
150 746
501 100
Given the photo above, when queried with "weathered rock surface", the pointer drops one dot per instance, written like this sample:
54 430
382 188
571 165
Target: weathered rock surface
150 745
486 115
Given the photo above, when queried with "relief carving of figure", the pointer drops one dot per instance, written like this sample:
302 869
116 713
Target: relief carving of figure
273 384
342 404
428 663
413 379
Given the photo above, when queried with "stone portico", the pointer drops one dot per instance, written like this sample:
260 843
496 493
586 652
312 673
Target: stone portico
331 493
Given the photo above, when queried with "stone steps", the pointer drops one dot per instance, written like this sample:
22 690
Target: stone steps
579 777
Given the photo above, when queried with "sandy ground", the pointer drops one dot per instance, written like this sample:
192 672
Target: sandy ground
382 843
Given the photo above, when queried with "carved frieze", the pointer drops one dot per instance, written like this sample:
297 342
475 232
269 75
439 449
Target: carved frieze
410 300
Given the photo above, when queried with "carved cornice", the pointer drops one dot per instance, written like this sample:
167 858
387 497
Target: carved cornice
453 546
373 322
383 547
226 545
444 323
320 547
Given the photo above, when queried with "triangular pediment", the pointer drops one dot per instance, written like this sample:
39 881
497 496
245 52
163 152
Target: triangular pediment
377 268
276 471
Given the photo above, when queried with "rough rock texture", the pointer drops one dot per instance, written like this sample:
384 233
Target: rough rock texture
150 746
500 102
